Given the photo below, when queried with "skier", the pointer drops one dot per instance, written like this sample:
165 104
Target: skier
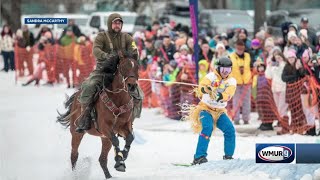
215 90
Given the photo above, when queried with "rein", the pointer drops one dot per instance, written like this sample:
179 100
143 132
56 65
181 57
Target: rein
118 90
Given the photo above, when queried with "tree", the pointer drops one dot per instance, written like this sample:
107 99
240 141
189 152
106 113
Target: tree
12 16
275 4
259 14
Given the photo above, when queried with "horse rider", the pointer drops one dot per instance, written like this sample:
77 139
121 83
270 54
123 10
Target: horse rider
105 49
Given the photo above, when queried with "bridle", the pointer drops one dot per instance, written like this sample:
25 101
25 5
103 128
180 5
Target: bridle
123 80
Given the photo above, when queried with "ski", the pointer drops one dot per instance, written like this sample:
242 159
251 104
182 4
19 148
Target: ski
182 164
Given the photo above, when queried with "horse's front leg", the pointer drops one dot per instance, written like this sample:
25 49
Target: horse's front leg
120 165
129 139
103 159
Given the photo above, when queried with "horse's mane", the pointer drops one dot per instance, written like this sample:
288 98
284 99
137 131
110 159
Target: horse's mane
131 55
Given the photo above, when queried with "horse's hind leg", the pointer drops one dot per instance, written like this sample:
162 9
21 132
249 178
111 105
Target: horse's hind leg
103 159
75 143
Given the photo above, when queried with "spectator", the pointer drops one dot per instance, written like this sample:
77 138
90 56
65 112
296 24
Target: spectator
285 31
304 24
37 75
7 50
43 30
264 101
269 49
167 49
68 38
225 41
316 67
274 72
206 52
293 27
261 36
293 71
292 43
25 41
148 53
301 47
203 69
155 29
256 50
28 36
183 57
83 62
220 52
73 27
243 35
241 72
190 45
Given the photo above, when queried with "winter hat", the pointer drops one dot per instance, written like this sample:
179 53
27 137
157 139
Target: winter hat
259 61
261 34
291 34
269 42
290 53
224 36
306 54
294 26
255 42
219 44
184 47
212 43
237 26
304 33
276 48
204 62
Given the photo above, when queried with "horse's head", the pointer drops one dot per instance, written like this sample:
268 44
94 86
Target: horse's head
128 68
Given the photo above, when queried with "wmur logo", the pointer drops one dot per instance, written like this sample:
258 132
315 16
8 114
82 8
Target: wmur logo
275 153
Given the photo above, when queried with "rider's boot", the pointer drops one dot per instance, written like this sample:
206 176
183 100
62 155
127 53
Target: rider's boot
85 118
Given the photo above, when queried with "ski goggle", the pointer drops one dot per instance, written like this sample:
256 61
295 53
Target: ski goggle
225 70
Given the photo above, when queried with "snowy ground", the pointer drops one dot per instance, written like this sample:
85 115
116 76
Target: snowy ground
34 147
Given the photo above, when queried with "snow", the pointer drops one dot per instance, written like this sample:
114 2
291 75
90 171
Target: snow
33 146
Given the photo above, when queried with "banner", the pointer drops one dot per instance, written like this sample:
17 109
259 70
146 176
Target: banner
193 6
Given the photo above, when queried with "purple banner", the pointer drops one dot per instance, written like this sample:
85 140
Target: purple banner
193 6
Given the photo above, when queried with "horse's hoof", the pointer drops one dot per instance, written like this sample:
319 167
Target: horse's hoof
121 168
108 176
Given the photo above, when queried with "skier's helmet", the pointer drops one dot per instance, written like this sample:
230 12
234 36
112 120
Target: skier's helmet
224 65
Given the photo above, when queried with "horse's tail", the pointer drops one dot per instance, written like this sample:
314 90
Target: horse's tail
64 119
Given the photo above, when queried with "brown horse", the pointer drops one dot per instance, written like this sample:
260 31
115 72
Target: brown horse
113 115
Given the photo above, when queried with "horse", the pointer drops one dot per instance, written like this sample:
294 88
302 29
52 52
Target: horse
112 117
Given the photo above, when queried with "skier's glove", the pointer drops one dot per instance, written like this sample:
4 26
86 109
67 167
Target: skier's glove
212 92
